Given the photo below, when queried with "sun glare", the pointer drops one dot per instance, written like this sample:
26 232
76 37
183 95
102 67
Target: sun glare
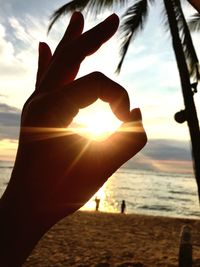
96 122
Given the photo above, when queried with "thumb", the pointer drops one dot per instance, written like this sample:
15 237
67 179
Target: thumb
129 139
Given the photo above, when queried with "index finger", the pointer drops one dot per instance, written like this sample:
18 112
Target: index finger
74 53
86 90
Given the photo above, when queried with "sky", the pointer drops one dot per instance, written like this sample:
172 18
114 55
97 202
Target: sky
149 74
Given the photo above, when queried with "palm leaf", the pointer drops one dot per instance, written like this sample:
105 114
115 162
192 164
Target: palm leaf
93 6
132 22
97 6
67 8
188 47
194 22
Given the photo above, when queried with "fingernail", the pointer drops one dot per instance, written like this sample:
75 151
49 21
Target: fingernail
136 115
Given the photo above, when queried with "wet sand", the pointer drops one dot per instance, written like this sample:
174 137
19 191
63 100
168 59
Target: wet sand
99 239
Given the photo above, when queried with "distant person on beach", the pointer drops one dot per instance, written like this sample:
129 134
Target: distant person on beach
97 201
56 172
123 206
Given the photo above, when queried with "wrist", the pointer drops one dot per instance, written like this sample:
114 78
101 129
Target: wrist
20 229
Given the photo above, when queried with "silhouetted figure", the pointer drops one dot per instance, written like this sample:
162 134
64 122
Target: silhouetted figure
123 206
97 200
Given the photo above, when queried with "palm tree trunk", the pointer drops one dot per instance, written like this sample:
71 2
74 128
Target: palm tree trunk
191 115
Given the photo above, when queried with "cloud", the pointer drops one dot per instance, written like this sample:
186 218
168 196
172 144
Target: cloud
163 155
168 150
13 70
9 122
9 64
17 69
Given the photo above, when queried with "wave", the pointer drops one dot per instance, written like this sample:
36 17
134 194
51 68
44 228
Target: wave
173 198
125 188
155 207
194 214
182 192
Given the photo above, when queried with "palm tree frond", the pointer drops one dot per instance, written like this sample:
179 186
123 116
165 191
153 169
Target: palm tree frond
194 22
186 39
152 1
132 21
94 7
124 49
67 8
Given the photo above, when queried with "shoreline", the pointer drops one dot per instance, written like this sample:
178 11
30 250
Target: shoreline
99 239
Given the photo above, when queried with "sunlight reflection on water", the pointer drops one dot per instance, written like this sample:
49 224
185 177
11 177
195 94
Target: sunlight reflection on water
149 192
107 201
145 192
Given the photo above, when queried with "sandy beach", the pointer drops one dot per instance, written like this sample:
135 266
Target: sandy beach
100 239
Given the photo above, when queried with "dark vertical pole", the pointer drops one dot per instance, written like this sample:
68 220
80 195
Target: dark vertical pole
191 114
185 248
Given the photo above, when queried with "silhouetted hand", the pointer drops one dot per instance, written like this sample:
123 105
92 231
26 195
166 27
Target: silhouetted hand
57 171
195 4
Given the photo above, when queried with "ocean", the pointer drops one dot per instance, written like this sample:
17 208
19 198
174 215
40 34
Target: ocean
144 191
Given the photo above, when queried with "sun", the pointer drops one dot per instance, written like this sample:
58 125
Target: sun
96 121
